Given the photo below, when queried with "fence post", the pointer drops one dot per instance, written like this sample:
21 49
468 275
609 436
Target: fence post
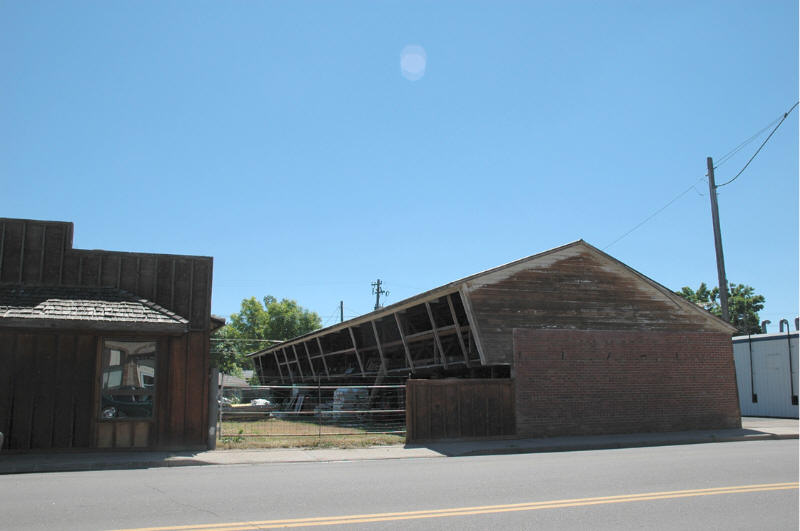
319 409
213 408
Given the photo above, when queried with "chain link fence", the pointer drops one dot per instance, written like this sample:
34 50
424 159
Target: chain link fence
312 410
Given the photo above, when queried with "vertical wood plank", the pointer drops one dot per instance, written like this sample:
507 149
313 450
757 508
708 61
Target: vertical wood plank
123 436
83 386
155 281
42 253
8 342
109 272
141 434
12 241
22 252
172 285
32 252
162 433
2 245
53 250
129 273
190 313
105 435
195 399
200 290
43 389
63 396
177 389
63 251
20 436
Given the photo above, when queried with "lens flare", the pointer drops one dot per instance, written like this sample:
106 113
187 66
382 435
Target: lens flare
413 61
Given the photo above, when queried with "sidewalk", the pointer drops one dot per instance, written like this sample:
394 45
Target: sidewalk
753 429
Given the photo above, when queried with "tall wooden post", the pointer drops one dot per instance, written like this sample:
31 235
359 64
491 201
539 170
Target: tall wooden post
723 282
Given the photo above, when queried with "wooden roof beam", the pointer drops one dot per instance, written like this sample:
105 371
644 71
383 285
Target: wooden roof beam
355 349
436 335
458 327
403 339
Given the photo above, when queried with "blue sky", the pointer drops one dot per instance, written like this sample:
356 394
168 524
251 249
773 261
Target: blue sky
282 139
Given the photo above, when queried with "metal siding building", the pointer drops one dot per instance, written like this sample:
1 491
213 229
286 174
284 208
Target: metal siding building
764 363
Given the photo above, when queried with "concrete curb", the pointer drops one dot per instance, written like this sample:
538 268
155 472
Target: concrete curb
632 444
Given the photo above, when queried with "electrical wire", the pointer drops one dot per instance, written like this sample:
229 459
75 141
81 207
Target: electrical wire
729 155
724 159
759 147
657 212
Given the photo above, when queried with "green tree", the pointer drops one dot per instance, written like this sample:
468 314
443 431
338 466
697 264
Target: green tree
259 320
225 355
743 304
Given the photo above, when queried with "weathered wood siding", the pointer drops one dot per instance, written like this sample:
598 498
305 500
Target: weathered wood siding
577 289
459 409
48 396
46 390
40 252
49 379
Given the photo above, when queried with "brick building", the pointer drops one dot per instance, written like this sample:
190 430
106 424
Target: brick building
569 341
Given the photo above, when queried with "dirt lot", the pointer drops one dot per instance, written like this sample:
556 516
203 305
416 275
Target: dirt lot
278 433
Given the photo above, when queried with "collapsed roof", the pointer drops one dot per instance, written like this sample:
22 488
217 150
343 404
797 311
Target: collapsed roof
468 324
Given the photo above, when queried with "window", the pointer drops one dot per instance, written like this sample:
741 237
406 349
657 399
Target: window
128 379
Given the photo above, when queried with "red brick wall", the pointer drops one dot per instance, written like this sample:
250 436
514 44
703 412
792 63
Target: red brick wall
571 382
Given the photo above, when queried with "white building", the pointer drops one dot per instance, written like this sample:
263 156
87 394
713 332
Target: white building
766 374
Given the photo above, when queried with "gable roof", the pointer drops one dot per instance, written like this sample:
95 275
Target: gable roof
491 275
476 279
85 307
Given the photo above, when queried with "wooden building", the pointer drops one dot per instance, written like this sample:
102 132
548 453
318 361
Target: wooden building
581 342
100 349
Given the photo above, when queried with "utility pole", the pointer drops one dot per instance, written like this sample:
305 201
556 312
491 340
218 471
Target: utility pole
723 282
341 311
376 289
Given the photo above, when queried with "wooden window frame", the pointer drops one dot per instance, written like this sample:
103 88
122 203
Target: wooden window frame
98 415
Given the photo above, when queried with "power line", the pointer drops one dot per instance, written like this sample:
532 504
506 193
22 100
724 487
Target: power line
724 159
759 147
657 212
729 155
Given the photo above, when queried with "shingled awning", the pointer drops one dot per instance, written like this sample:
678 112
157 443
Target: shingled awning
84 307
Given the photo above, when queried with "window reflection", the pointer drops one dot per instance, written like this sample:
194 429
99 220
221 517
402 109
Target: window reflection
128 379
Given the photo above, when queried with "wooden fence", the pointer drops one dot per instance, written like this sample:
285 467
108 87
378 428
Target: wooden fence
459 409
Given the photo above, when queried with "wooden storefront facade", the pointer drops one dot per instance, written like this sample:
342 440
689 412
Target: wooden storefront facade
100 349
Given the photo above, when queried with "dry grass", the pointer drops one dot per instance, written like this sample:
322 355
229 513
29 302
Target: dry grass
277 433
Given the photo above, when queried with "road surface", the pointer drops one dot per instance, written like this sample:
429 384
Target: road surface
743 485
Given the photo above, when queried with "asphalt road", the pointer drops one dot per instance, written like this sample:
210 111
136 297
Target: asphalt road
747 485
